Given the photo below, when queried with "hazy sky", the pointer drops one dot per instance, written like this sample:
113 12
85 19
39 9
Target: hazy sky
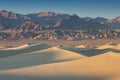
83 8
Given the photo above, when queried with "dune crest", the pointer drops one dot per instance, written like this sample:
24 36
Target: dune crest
64 53
117 47
106 46
17 48
81 46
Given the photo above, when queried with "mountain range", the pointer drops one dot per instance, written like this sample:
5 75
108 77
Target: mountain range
54 25
51 20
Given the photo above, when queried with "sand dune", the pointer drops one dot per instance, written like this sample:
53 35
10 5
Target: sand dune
17 48
45 56
77 49
11 47
20 50
81 46
43 62
88 51
108 45
117 47
105 64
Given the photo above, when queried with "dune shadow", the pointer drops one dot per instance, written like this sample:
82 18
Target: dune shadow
94 52
91 52
14 77
7 53
115 50
75 49
29 60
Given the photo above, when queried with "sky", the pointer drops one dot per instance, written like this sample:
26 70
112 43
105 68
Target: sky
83 8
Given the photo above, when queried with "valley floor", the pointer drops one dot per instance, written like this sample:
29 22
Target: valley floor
58 42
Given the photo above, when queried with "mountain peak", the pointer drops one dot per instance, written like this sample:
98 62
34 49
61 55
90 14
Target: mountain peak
87 18
117 18
42 14
101 18
3 11
75 15
12 15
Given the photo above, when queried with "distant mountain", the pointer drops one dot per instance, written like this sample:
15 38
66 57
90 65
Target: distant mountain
51 21
100 20
117 19
46 18
87 18
10 20
30 26
56 26
114 23
12 15
74 22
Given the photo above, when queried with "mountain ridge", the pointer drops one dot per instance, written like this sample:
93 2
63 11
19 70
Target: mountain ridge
10 20
55 26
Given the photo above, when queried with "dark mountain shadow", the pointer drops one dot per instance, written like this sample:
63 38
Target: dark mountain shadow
7 53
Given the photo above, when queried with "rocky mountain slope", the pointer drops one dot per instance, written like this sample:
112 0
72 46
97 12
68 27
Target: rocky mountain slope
112 23
46 18
74 22
69 35
10 20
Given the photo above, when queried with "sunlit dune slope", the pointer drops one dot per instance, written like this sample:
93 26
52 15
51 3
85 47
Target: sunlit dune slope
108 45
81 46
17 48
20 47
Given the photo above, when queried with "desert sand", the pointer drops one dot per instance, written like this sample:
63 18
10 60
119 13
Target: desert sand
45 62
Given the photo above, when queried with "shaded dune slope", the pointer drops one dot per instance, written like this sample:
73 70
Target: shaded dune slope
40 57
20 50
94 51
85 77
